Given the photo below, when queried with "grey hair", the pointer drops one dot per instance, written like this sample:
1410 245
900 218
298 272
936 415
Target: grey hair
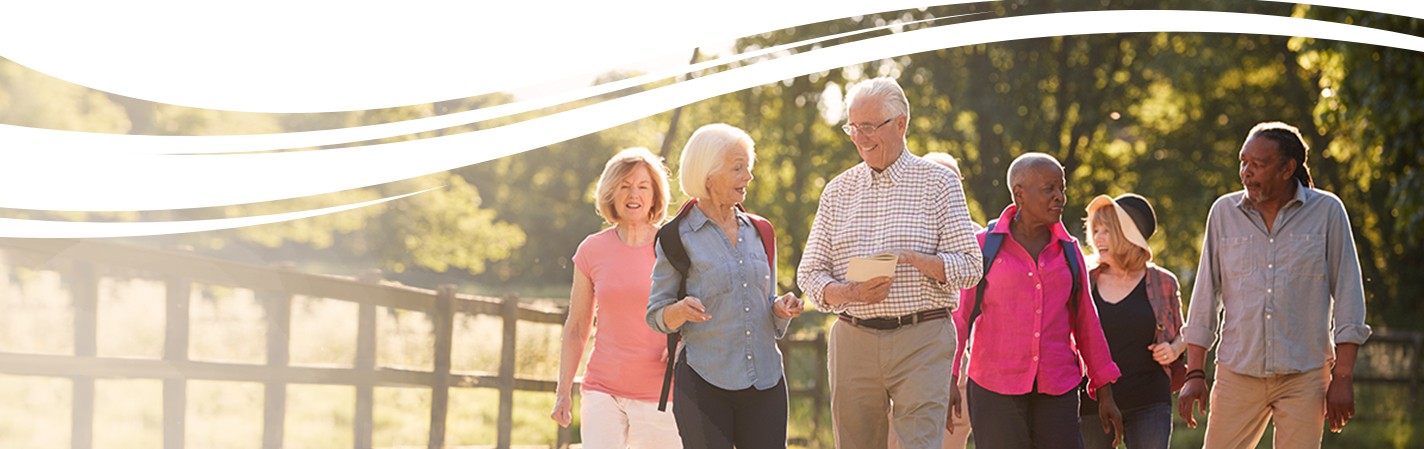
884 88
944 159
1022 164
702 155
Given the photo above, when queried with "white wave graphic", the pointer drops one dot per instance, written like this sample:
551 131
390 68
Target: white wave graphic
113 183
16 228
328 55
87 144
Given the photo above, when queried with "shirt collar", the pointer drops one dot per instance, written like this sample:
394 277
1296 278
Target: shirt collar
696 219
1302 194
893 173
1002 226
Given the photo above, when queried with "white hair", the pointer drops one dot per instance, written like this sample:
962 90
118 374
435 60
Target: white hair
887 90
944 159
703 154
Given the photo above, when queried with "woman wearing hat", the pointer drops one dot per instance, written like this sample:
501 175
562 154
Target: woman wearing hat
1141 315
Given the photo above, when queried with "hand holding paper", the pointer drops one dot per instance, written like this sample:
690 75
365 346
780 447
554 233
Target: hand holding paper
865 268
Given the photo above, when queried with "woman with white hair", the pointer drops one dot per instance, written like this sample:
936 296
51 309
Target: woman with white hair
729 386
612 267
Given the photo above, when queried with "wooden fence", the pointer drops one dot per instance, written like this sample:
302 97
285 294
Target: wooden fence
82 263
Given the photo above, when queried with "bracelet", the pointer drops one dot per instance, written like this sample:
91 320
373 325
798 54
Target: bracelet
1197 371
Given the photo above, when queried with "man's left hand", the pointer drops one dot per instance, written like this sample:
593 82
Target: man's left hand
1339 402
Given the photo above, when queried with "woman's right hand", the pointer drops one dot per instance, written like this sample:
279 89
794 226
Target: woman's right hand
563 410
690 309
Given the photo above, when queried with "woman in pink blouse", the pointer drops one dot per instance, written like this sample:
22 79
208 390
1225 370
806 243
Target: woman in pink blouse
1035 324
612 276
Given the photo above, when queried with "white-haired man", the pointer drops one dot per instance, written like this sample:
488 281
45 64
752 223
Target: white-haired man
891 340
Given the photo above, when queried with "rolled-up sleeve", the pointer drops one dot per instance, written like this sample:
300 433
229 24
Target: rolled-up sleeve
663 292
814 272
963 261
1205 307
1345 281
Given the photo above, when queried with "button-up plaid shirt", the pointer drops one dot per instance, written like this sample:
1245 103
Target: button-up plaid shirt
913 204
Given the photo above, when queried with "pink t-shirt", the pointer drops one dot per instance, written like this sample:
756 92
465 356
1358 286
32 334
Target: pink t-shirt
627 358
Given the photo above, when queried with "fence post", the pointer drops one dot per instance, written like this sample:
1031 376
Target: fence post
175 349
509 310
278 306
564 435
85 295
444 320
365 364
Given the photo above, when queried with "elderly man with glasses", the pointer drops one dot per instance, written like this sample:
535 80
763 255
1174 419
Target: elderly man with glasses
891 340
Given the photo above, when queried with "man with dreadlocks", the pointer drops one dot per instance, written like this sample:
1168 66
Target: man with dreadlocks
1280 260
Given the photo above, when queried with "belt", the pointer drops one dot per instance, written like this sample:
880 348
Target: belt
896 322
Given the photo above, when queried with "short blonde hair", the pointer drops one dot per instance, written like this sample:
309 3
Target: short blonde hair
618 168
1127 255
702 155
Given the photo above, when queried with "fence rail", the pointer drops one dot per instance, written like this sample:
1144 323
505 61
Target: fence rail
82 263
1390 358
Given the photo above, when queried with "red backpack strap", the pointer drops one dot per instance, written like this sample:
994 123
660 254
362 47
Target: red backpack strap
767 232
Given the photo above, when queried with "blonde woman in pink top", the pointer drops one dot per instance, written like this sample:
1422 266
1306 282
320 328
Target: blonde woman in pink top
612 276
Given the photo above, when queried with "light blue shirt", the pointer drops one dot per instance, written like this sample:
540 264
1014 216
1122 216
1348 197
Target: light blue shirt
736 349
1281 300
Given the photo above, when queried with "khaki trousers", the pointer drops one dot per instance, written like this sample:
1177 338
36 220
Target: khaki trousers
869 367
1242 405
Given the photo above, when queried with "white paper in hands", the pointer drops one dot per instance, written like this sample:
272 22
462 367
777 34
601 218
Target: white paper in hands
864 268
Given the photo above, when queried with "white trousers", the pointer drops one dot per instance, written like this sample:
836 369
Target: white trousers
616 423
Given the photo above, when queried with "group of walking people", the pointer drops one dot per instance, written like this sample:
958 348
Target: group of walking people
1007 330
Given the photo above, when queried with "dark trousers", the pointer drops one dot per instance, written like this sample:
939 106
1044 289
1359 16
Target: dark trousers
1145 427
712 418
1033 420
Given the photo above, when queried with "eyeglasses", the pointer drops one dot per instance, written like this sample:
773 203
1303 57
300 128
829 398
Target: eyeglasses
864 128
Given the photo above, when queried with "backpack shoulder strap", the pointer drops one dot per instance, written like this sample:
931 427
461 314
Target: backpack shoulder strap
671 242
1070 253
992 242
767 232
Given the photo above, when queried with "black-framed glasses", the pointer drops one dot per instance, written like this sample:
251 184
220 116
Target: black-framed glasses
865 128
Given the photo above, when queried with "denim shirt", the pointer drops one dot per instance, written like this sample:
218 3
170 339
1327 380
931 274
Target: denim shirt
1288 296
736 349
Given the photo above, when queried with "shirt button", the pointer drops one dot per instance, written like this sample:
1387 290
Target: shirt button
1039 311
1273 240
744 285
1267 290
1270 265
747 309
1268 316
1035 358
1038 286
1030 274
1035 335
749 356
749 332
739 262
739 239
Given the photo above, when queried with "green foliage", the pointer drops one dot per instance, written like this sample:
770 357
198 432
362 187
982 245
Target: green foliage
1369 152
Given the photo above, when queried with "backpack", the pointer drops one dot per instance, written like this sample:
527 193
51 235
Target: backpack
992 242
671 242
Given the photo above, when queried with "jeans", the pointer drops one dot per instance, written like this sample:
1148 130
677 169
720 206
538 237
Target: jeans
1145 427
1024 421
712 418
